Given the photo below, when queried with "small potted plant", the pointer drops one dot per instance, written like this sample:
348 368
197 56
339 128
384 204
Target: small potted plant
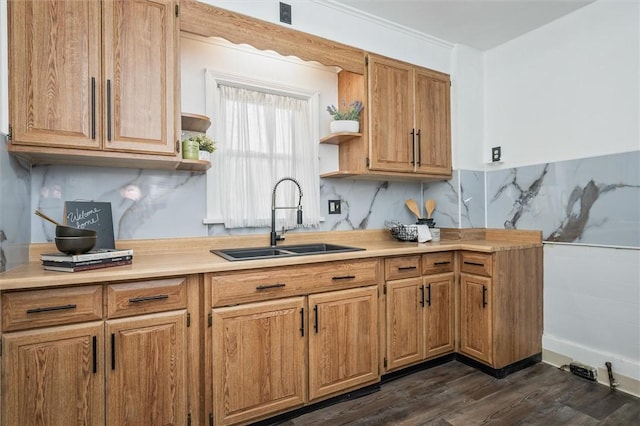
346 119
202 144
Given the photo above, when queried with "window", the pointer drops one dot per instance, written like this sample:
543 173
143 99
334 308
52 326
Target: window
263 134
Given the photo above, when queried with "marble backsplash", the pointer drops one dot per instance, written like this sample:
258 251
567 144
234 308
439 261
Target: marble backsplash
592 201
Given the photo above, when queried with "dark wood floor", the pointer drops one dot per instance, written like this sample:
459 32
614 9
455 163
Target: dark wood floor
456 394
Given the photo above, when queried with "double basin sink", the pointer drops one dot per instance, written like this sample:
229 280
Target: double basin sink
254 253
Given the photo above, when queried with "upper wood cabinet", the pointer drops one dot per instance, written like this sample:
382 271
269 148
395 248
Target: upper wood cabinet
409 116
96 76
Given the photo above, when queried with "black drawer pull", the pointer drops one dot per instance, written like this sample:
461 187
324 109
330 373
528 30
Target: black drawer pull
466 262
51 308
442 263
268 286
148 298
407 268
345 277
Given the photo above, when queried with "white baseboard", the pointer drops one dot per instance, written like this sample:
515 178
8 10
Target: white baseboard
625 384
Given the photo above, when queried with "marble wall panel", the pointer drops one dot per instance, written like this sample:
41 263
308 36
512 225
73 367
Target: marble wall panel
447 197
591 201
472 199
144 203
15 225
364 205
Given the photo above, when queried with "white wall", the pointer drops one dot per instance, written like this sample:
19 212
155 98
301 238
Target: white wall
591 305
467 109
564 91
567 90
350 27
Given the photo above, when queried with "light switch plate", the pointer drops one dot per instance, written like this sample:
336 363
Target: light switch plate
334 206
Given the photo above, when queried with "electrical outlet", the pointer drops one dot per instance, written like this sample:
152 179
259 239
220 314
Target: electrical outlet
496 154
334 206
285 13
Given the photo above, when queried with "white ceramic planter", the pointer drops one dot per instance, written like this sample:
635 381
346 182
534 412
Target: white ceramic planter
204 155
339 126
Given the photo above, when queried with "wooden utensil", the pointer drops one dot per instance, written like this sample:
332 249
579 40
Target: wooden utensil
430 206
45 217
413 207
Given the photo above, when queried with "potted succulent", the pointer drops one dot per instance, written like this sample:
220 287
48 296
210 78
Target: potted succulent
198 147
346 119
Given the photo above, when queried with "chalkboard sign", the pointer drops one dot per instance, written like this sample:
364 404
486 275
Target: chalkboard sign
92 215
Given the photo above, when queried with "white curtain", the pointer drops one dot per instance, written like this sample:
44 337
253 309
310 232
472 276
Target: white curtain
264 137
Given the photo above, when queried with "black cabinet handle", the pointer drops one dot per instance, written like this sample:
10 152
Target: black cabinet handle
413 146
419 148
429 295
315 322
51 308
484 296
345 277
466 262
148 298
422 295
95 354
302 322
113 351
406 268
109 110
442 263
93 108
268 286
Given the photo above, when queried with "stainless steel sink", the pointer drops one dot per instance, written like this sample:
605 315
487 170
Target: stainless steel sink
235 254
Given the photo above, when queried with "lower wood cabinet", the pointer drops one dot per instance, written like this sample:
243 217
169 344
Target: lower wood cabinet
146 370
54 376
475 324
343 341
420 319
263 352
126 369
501 305
419 308
258 359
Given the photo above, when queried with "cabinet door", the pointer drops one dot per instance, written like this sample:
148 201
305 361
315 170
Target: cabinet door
343 341
146 370
404 322
433 122
439 309
54 376
139 83
54 67
258 359
391 115
475 317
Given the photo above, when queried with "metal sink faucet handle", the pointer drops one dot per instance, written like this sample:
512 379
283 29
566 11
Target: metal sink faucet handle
274 235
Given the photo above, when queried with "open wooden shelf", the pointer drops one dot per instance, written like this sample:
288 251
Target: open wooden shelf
194 165
338 138
195 122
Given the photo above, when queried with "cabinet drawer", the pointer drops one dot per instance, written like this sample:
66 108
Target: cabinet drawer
476 263
401 267
437 263
40 308
264 284
145 297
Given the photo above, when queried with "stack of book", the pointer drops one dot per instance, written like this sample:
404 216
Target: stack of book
94 259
